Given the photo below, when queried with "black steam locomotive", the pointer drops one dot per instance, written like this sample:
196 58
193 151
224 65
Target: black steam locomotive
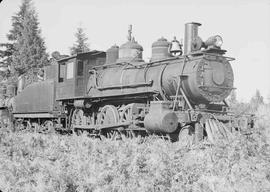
117 91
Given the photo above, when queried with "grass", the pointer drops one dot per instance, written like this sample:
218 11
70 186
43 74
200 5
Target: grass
38 162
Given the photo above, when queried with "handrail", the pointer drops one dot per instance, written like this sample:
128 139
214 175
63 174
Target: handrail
127 86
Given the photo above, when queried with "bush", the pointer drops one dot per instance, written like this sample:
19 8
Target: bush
38 162
263 121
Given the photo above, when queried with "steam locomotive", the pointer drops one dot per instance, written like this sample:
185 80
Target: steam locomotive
177 92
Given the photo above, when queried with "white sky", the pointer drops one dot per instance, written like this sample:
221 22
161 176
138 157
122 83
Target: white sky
243 24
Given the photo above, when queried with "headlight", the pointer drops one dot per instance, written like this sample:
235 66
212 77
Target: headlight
214 41
219 41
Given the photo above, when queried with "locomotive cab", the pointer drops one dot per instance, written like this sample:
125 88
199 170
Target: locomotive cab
73 73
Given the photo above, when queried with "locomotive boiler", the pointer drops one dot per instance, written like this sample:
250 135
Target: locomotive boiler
168 82
118 91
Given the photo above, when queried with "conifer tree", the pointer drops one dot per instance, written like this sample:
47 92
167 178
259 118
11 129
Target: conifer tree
28 47
81 44
256 101
232 100
5 54
17 21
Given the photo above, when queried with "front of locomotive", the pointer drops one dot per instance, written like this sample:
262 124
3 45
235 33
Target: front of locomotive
209 75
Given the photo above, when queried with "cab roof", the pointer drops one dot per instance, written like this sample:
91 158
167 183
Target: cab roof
88 53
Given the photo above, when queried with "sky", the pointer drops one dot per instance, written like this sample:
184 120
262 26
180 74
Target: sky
243 24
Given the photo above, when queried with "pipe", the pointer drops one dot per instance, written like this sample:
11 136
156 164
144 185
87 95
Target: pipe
186 99
143 84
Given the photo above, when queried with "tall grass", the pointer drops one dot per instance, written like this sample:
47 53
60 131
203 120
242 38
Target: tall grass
263 121
38 162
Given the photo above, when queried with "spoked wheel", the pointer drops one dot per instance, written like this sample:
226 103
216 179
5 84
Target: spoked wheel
29 126
126 113
77 117
18 125
131 134
108 115
77 120
185 136
35 127
48 127
114 135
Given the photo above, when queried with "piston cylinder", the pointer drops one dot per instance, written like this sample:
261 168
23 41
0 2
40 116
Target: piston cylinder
160 118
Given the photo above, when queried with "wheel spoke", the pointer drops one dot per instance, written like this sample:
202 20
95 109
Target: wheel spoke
108 115
78 117
126 113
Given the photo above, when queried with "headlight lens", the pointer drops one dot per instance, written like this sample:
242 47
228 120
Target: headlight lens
218 41
214 41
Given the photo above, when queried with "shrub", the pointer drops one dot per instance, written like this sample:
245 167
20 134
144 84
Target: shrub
39 162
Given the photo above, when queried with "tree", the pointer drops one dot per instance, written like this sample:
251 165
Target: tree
5 60
81 44
268 98
17 21
232 100
6 54
28 47
13 35
256 101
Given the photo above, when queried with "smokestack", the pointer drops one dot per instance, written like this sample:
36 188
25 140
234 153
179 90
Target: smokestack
191 35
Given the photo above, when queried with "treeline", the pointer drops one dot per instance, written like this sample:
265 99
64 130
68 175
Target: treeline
245 107
25 51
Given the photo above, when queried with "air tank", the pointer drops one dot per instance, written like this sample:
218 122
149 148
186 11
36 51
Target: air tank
160 118
160 49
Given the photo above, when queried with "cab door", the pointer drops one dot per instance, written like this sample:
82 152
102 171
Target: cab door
66 80
79 82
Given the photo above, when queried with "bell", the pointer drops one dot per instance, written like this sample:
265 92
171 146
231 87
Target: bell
175 47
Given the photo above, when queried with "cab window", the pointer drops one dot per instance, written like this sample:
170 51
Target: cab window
80 68
70 70
62 69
